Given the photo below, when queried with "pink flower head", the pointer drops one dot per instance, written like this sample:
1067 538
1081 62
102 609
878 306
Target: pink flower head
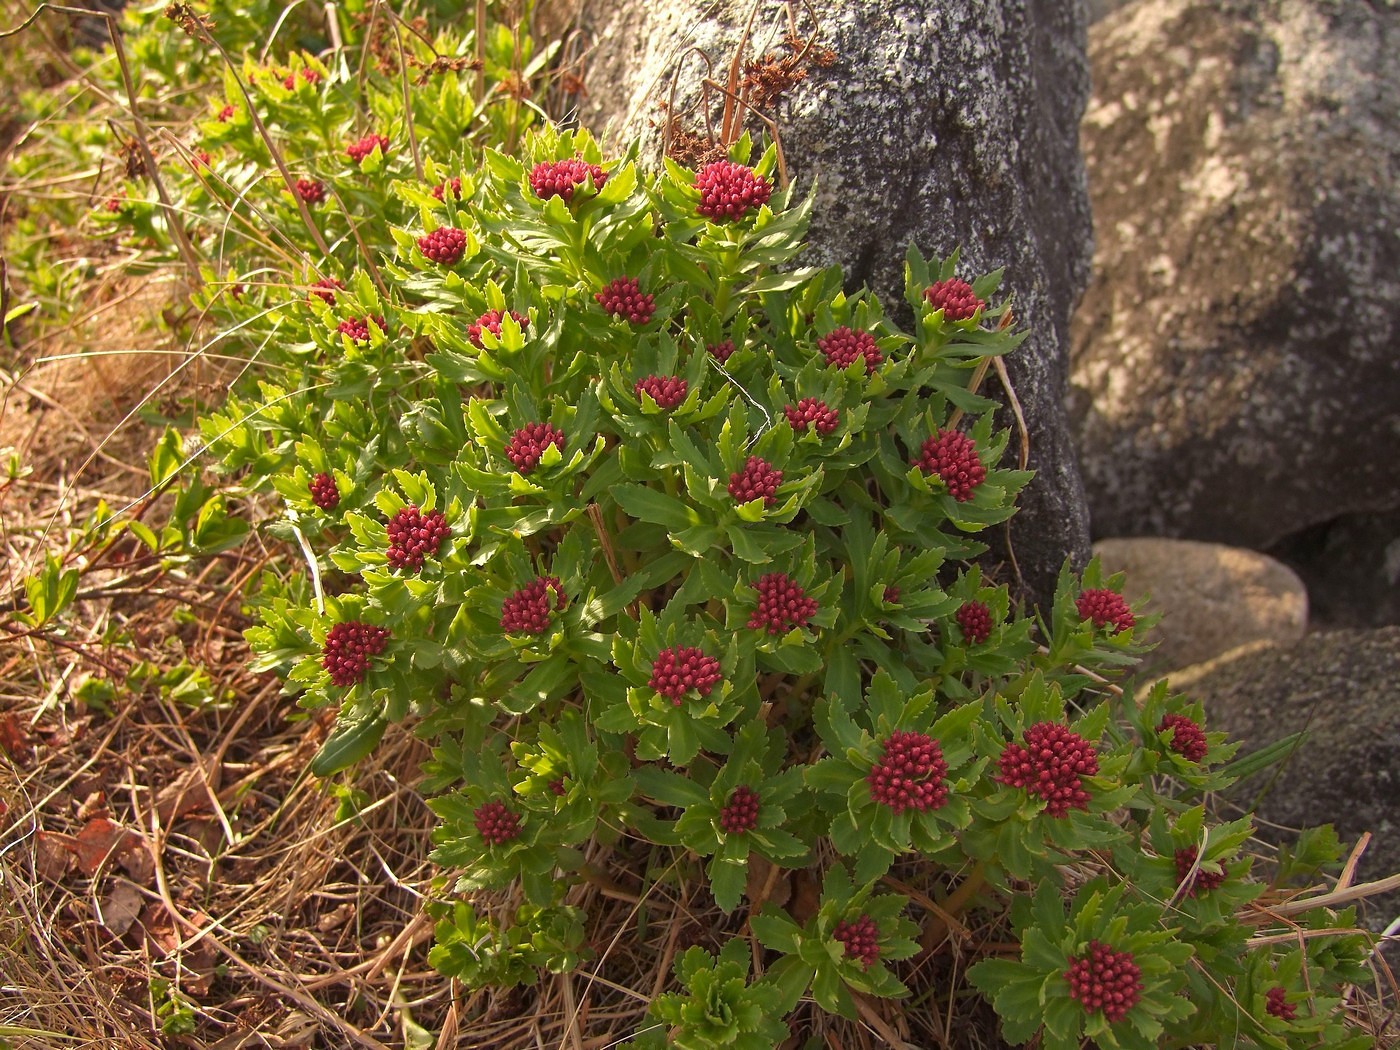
843 345
496 824
1049 765
311 191
622 297
781 604
357 328
1105 607
975 622
758 479
561 178
952 455
1104 979
721 351
225 115
348 648
910 773
860 940
325 290
740 812
455 183
490 321
666 391
527 445
811 411
1188 739
359 150
528 610
445 246
324 492
414 535
955 298
729 190
1277 1004
1203 880
681 668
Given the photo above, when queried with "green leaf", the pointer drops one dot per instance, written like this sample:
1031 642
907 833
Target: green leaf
647 504
349 743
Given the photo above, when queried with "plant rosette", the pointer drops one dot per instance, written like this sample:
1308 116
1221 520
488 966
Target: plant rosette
1104 971
493 839
1049 785
730 812
562 773
717 1006
1091 623
677 686
1196 868
844 947
549 939
1175 740
896 778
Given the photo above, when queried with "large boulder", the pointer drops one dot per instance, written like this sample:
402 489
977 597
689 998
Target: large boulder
945 124
1340 687
1212 598
1235 356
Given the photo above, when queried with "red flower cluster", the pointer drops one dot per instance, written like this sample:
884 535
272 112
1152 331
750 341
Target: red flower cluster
225 115
527 445
622 297
308 76
860 940
781 604
891 595
955 298
444 246
1105 980
324 493
358 151
325 290
414 535
813 412
495 823
1049 765
729 190
721 352
1188 739
527 610
1277 1004
952 455
556 786
1105 607
740 812
843 345
681 668
909 774
757 479
440 190
490 321
348 648
666 391
357 328
1203 880
561 178
199 159
311 191
975 622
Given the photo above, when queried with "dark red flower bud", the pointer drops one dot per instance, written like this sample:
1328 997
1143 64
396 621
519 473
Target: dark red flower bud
842 346
561 178
528 610
910 773
348 648
414 535
1104 979
781 604
729 190
1203 880
975 622
758 479
496 824
681 668
1188 739
358 151
311 191
740 812
1049 765
666 391
859 939
955 298
622 298
811 411
1105 607
952 455
325 290
444 246
490 321
527 445
324 493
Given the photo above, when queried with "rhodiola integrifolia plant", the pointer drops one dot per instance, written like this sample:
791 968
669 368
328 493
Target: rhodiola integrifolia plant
665 545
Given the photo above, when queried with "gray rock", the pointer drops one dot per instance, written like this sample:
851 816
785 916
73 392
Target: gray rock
1342 688
1235 357
1212 598
1351 566
944 124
